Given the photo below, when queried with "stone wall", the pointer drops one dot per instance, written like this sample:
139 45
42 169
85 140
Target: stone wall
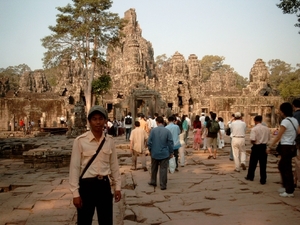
32 108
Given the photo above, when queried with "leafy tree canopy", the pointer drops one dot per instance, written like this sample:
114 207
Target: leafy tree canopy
278 71
291 7
13 74
160 59
209 64
101 85
290 86
82 31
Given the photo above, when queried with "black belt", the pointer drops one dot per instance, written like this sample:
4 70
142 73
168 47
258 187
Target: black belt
98 177
238 136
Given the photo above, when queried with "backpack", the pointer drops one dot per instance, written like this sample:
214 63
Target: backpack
128 120
228 131
214 127
115 124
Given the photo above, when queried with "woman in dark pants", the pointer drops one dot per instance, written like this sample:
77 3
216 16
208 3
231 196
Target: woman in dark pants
286 135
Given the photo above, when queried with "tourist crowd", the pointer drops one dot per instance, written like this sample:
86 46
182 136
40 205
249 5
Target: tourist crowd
92 170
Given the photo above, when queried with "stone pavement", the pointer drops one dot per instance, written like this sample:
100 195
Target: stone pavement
203 191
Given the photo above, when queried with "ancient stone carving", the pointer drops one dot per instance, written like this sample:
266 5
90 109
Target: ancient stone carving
34 81
259 78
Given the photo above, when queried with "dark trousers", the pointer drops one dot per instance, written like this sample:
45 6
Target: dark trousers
258 154
97 194
176 156
163 171
285 167
128 131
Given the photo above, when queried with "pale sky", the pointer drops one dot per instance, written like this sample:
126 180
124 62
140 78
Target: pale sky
240 30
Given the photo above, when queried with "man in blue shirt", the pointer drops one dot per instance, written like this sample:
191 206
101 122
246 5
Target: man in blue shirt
160 145
175 131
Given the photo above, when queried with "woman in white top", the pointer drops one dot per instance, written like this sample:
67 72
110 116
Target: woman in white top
222 130
288 130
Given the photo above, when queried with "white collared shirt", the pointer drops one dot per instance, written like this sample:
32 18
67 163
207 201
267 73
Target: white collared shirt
106 162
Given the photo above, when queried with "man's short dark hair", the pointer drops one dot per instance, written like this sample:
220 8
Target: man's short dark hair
171 118
137 123
213 116
258 118
296 103
160 119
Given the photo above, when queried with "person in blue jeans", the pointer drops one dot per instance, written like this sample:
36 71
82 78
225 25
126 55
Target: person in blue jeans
160 145
175 131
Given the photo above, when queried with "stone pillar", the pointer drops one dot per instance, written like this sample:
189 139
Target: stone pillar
273 116
43 120
246 115
12 123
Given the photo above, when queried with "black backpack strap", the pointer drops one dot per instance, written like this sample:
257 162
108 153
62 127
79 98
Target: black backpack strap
92 159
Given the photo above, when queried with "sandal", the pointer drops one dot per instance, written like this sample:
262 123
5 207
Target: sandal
209 157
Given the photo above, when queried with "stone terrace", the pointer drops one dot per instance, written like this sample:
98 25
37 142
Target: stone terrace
204 190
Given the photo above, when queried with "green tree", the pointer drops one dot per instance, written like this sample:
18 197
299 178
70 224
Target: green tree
241 82
209 64
82 31
278 71
160 60
290 86
13 74
291 7
101 86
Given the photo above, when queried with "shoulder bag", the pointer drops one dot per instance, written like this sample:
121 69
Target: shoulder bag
297 139
92 159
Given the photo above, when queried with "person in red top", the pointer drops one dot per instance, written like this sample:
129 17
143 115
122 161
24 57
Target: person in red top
22 124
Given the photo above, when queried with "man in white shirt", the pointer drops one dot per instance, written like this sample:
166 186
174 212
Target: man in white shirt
238 131
202 118
189 126
259 137
91 186
138 140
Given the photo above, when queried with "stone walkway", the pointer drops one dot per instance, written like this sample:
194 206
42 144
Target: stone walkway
203 192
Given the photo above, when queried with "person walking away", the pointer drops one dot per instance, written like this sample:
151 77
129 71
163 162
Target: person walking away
181 150
286 136
259 137
222 130
90 185
204 133
143 123
202 118
115 127
138 140
238 132
189 126
128 125
213 129
229 125
185 127
197 133
160 145
175 131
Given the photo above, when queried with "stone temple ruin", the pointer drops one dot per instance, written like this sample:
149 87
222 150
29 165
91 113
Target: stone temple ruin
138 85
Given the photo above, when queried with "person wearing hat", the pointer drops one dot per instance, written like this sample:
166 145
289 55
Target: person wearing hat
238 131
90 185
